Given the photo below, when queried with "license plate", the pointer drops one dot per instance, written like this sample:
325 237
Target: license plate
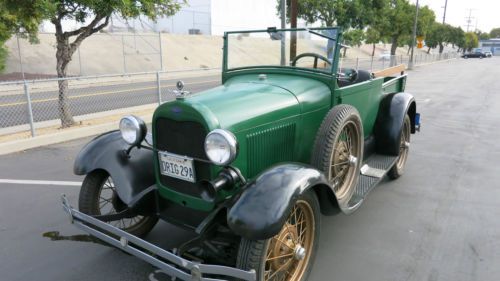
177 166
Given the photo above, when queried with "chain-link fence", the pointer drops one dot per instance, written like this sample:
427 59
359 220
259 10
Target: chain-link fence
384 61
33 104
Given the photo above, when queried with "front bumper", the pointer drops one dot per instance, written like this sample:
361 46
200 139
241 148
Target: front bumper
166 261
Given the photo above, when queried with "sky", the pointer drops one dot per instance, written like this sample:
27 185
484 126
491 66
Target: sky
486 13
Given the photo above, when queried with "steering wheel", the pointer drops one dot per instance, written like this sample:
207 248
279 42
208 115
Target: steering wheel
314 55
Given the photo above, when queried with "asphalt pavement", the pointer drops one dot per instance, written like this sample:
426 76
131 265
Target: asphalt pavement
439 221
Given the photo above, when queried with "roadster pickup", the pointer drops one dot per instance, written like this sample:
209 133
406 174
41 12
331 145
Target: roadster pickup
249 166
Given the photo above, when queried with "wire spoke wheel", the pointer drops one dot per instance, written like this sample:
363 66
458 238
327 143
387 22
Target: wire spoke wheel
404 146
98 196
343 159
288 255
289 252
110 203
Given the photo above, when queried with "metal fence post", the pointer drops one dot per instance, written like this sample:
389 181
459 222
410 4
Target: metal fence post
161 51
357 63
20 56
371 65
30 110
158 86
123 52
80 61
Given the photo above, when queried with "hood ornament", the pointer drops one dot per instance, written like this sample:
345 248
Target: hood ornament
180 94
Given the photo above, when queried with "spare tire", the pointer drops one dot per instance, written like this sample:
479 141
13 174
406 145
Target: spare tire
338 150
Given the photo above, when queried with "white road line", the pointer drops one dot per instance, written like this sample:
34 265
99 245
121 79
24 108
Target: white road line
36 182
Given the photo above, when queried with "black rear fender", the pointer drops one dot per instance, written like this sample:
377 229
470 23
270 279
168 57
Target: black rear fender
260 211
392 111
133 176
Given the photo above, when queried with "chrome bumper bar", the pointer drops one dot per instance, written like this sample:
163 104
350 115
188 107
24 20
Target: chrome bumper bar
166 261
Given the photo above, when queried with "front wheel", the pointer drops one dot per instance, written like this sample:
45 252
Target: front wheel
98 197
288 255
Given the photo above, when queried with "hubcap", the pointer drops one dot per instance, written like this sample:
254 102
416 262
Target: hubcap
288 253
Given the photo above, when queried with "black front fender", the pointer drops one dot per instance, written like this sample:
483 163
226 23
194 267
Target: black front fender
392 111
131 175
263 207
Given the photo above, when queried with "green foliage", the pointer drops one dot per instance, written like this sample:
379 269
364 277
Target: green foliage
343 13
439 35
3 56
495 33
471 41
354 37
482 35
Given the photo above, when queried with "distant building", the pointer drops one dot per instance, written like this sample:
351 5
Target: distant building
209 17
492 45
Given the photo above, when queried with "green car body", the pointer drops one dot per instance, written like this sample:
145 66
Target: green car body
275 118
280 122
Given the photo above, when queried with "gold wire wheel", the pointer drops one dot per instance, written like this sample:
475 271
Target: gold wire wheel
404 145
344 159
289 252
109 204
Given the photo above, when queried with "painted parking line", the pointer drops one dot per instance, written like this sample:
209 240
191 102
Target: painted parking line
41 182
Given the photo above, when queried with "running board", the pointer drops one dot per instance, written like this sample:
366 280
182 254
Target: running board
371 173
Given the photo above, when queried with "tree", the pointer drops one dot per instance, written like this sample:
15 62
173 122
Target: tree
372 36
93 16
353 37
482 35
471 41
398 22
439 35
343 13
458 38
495 33
23 23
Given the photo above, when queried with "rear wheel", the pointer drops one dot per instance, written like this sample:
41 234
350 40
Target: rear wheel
289 255
404 146
98 197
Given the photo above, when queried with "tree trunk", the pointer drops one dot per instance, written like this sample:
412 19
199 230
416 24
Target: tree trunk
428 50
394 46
63 57
293 24
441 48
373 50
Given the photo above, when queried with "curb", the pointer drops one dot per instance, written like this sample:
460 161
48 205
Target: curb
43 140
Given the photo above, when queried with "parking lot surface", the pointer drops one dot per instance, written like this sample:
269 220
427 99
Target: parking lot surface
439 221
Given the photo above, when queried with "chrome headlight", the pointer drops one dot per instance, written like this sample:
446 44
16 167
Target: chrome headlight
221 147
133 129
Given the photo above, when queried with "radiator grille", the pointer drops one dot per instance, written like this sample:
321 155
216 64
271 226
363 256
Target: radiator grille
270 146
183 138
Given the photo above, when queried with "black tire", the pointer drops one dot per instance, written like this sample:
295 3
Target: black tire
328 141
90 195
252 254
397 169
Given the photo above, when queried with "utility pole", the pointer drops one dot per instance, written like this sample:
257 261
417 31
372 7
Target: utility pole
444 14
283 34
414 37
293 24
469 19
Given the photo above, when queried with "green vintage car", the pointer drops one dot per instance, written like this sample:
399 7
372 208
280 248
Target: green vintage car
251 165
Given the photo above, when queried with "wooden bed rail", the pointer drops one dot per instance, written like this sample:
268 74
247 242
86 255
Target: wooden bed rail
398 69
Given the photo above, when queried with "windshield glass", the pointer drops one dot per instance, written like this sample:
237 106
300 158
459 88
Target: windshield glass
313 48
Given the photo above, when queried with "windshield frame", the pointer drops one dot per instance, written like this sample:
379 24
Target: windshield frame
312 30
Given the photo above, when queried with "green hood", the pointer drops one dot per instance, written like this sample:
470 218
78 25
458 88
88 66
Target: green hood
246 101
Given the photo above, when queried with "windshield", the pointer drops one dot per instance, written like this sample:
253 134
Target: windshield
302 48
